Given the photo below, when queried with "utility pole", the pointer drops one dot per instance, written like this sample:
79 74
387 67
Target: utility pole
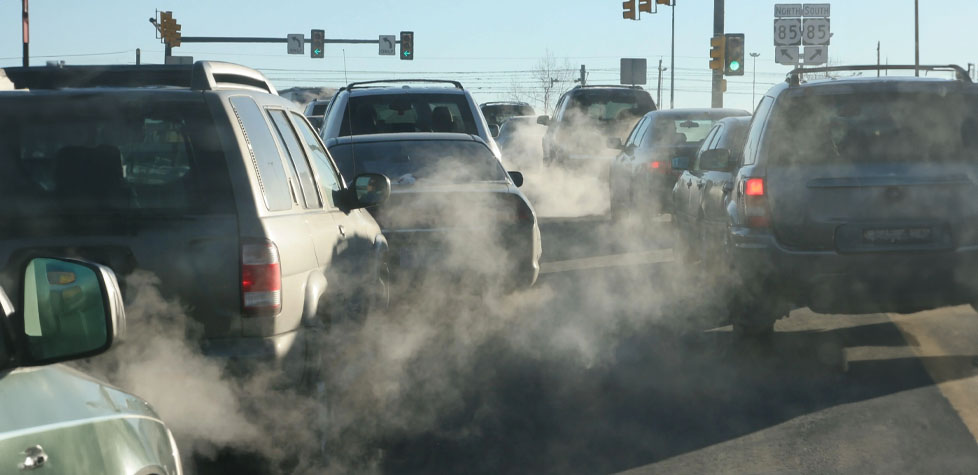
672 61
916 38
658 89
717 87
583 79
753 84
25 26
137 56
877 59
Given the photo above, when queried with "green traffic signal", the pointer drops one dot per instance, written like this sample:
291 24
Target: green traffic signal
735 66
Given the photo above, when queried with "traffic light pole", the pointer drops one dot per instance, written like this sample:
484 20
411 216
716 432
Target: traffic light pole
253 39
717 88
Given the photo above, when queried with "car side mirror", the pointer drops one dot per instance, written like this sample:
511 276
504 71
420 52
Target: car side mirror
371 189
717 160
494 130
680 163
70 309
615 143
517 178
543 120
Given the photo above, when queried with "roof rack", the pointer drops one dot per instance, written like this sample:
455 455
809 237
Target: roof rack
493 103
794 77
201 76
626 86
352 85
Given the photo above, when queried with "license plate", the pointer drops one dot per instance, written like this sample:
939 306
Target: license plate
898 235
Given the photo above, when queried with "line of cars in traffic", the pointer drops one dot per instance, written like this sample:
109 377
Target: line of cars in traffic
263 229
845 195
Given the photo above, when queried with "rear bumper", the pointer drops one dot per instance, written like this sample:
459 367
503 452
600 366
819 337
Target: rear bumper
833 282
286 353
417 252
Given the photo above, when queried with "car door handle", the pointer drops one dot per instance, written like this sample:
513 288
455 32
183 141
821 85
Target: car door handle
34 458
689 183
342 231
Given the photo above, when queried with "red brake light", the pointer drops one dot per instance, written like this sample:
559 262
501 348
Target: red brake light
754 187
261 279
655 165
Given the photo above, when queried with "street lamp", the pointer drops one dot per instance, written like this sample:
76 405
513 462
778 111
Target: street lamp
754 81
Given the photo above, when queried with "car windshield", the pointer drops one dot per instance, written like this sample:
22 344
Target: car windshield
680 131
607 106
875 126
499 113
79 155
434 161
408 112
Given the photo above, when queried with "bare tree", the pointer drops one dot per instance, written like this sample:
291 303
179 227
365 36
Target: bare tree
547 80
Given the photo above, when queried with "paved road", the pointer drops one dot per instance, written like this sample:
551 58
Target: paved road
621 370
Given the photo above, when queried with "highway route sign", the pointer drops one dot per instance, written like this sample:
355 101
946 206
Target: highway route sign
816 55
786 55
816 10
815 31
387 43
788 10
297 43
787 32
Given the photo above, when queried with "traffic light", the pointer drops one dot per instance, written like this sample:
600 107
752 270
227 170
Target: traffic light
716 52
645 6
407 45
734 54
318 43
169 29
629 13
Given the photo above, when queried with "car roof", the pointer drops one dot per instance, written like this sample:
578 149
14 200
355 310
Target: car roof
408 137
864 83
503 103
698 112
390 90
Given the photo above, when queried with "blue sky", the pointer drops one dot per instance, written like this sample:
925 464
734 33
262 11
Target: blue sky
489 46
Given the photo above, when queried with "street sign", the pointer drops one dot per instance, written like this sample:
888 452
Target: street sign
787 10
816 55
815 10
787 32
297 43
815 31
786 55
178 60
633 70
387 43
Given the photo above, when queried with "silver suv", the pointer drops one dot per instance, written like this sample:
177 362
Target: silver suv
202 175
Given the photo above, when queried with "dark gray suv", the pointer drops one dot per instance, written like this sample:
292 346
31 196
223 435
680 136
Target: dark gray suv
202 175
856 195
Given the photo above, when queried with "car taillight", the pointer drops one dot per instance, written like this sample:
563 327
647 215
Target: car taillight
659 166
261 280
755 203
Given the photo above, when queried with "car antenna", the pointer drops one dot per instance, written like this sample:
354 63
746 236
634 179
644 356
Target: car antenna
349 121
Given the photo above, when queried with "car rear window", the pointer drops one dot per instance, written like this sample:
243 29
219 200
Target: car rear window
101 154
499 113
874 127
679 131
610 105
391 113
405 162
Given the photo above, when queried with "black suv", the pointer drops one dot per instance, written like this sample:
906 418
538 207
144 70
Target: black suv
586 117
856 195
202 175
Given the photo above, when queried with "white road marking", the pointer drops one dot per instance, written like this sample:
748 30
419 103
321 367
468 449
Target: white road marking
614 260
